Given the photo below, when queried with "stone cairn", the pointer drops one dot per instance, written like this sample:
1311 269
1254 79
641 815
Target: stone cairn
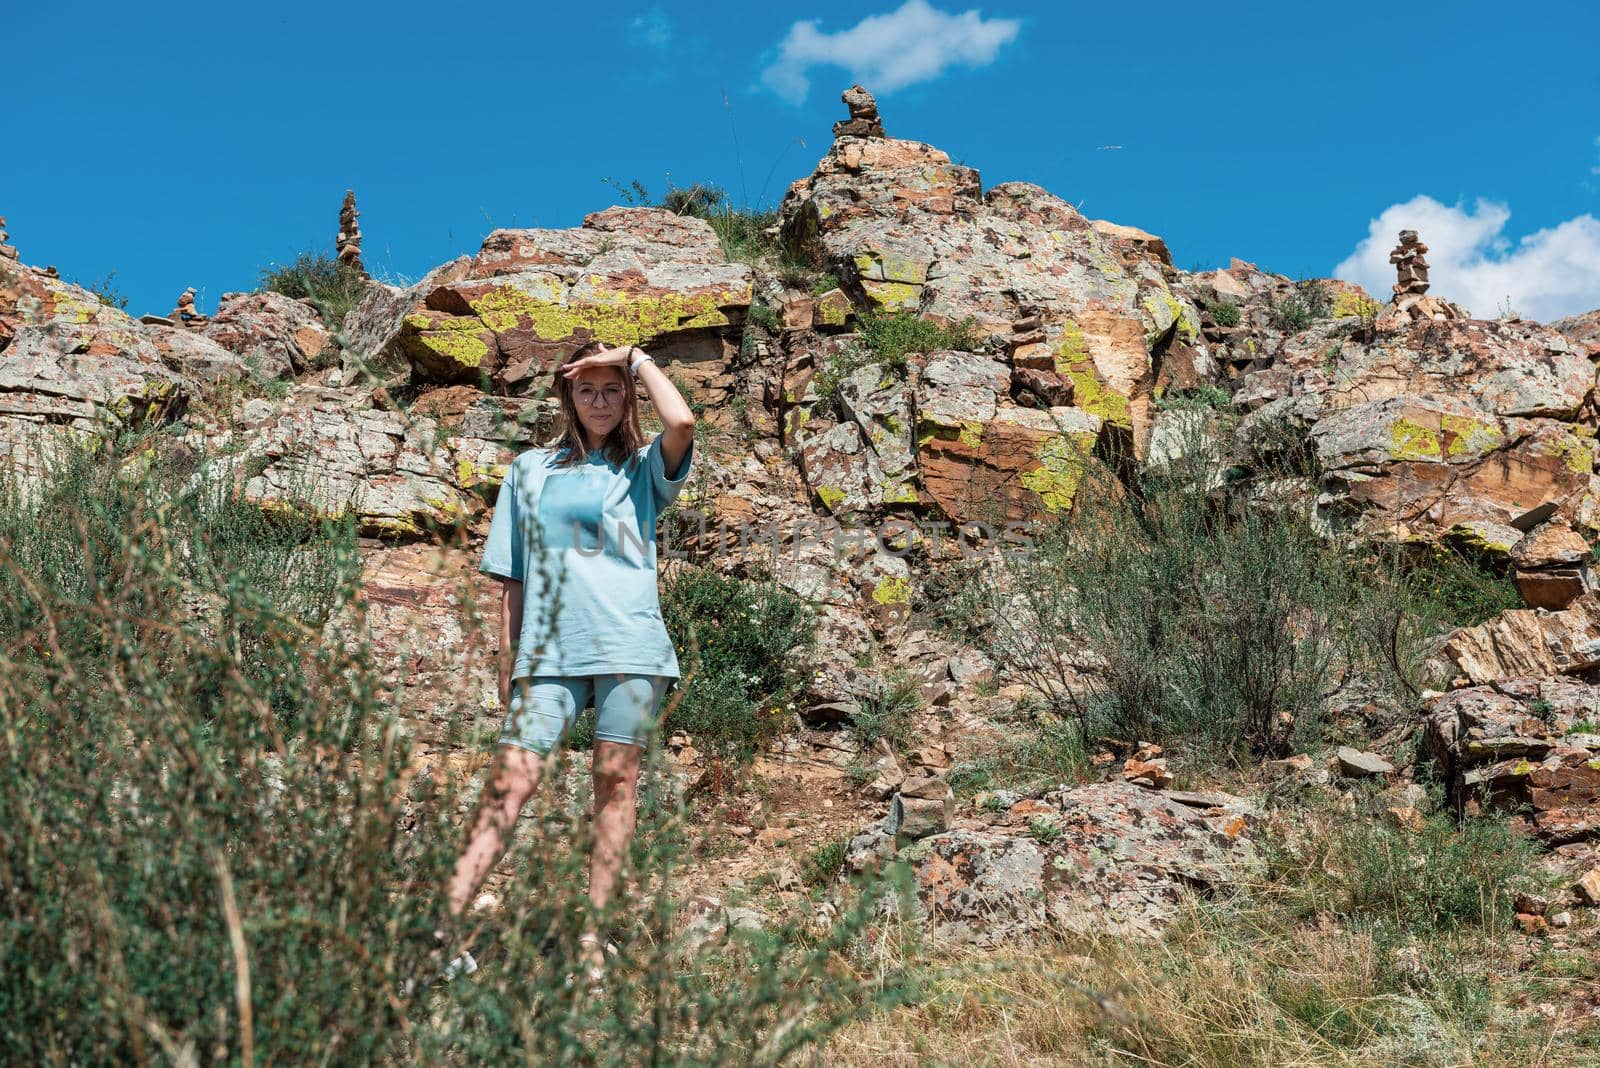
863 120
185 314
349 243
1411 285
6 251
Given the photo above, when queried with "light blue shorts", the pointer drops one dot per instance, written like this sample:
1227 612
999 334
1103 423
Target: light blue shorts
544 707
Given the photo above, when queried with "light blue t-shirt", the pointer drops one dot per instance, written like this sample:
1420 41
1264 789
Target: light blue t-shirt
592 527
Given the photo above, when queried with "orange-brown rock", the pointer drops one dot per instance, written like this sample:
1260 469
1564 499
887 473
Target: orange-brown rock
1529 643
640 276
908 230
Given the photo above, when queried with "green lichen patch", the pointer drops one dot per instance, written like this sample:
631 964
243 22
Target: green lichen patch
1412 441
831 496
892 590
1465 436
1060 471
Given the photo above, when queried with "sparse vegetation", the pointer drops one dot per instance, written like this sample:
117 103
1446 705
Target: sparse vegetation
107 291
1169 613
746 234
1047 752
247 846
886 709
826 282
888 339
741 640
1202 398
1307 304
1225 312
333 287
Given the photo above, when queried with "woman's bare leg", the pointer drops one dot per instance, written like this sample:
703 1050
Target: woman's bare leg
514 779
616 801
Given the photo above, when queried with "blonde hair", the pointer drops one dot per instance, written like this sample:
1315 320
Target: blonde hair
622 445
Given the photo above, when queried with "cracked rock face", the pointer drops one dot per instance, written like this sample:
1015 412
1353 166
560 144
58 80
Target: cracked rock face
908 230
627 276
1465 428
1523 743
330 451
1103 858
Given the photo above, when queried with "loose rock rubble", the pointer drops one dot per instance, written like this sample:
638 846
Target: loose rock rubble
1105 857
1519 742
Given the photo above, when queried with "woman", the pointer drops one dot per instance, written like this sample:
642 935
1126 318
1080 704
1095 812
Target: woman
573 544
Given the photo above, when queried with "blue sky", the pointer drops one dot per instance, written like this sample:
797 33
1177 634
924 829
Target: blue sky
191 145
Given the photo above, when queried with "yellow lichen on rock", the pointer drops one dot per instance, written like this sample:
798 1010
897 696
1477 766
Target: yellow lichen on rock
1412 441
613 316
1468 437
892 590
1060 471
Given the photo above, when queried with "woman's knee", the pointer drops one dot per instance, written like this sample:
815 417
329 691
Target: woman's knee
518 776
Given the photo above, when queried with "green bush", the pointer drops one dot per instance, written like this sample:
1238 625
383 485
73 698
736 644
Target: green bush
1309 303
1442 878
219 841
1176 609
741 640
333 287
1225 312
886 709
891 337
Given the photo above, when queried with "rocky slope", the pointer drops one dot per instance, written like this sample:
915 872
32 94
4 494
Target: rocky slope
1079 334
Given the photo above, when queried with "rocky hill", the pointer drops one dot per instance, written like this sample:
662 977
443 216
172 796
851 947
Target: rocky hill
911 357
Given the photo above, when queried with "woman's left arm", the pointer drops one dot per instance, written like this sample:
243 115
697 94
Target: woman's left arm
677 421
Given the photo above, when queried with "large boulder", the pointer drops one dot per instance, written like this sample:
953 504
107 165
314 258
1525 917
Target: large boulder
1523 744
1528 643
908 230
1463 429
640 276
275 335
1108 858
331 451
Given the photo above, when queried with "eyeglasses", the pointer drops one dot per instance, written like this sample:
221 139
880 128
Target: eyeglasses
591 398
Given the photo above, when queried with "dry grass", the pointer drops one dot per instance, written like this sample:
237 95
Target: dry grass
1289 971
1224 987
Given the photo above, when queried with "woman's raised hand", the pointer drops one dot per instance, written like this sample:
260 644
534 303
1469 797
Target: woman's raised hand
619 356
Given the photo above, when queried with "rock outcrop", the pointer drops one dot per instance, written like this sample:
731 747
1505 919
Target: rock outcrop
908 230
1099 858
1523 744
276 335
333 451
1463 428
640 276
72 367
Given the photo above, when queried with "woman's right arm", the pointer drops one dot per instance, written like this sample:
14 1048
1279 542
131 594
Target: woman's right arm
510 632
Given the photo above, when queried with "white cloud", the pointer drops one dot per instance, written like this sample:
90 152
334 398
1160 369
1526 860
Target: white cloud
653 29
1546 275
915 43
